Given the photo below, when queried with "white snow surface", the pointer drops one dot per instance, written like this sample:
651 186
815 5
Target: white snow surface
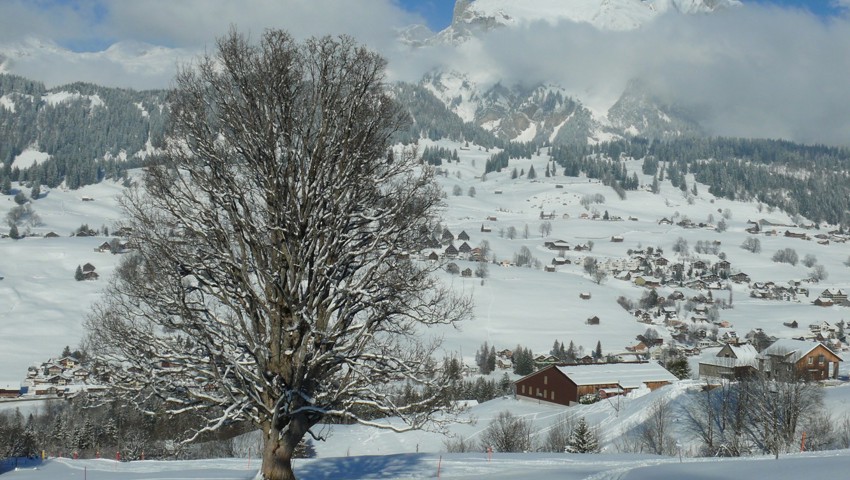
606 15
56 98
7 102
42 309
29 157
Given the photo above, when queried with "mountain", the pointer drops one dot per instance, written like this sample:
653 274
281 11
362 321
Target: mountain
77 133
548 112
473 17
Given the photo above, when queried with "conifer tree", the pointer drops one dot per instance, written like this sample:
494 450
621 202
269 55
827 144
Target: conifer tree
582 439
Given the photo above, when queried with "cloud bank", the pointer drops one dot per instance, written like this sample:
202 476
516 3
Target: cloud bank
752 71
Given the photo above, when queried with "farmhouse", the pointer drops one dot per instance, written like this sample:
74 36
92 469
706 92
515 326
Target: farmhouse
564 385
732 361
810 360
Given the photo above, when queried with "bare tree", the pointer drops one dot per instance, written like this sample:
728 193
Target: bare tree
266 286
752 244
508 433
545 228
558 435
818 273
655 434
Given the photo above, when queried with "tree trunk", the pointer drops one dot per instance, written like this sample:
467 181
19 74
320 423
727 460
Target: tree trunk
277 456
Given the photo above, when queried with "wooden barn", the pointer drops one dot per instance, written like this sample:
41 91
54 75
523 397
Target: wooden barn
564 385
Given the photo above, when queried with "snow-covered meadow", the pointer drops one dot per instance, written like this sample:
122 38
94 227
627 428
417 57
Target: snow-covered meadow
42 309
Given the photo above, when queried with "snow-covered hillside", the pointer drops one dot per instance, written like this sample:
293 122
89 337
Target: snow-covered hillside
43 307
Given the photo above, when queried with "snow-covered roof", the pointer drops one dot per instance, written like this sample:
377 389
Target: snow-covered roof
792 350
745 356
627 375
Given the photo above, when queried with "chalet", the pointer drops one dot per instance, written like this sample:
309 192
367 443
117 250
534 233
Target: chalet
9 391
791 234
731 362
835 294
463 236
433 256
640 347
549 268
558 245
810 360
68 362
564 385
542 361
447 236
824 302
492 219
560 261
700 265
791 324
103 247
661 262
88 268
51 235
740 278
464 248
485 229
665 221
584 295
617 239
547 216
594 320
451 252
647 281
90 276
504 363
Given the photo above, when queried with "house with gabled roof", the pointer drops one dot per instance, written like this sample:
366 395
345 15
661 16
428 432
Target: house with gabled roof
463 236
731 362
835 294
447 236
566 384
799 358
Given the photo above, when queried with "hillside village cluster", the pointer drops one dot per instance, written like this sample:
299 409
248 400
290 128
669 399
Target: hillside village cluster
684 295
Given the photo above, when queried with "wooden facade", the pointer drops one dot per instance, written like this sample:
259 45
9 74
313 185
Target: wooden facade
565 385
808 360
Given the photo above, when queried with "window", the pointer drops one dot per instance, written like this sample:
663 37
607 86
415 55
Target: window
553 395
811 360
523 389
821 358
545 380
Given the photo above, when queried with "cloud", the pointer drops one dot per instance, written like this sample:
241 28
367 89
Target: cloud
750 71
166 33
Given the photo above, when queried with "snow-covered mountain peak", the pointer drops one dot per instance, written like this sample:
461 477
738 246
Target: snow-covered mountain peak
477 15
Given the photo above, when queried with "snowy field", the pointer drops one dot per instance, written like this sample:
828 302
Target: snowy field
834 464
42 307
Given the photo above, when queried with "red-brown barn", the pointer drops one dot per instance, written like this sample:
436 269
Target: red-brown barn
564 385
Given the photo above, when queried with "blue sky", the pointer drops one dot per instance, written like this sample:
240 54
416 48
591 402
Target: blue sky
438 13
